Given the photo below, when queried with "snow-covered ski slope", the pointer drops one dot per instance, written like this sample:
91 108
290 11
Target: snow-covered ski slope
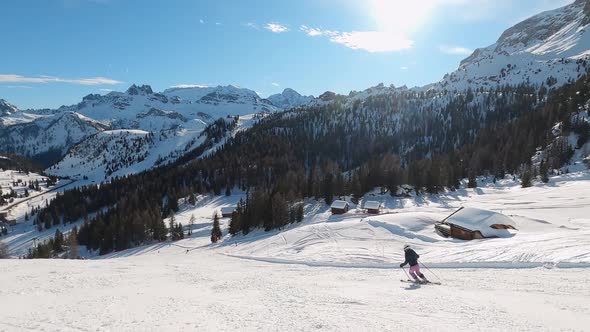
553 222
122 152
330 273
168 289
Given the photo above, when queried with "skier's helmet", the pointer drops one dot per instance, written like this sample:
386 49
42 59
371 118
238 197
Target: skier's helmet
406 247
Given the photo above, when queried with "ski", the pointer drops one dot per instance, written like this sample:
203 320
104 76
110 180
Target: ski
421 283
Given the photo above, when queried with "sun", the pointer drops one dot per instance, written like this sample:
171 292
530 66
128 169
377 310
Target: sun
401 16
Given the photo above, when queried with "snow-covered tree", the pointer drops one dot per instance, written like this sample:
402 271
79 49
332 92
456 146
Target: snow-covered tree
216 230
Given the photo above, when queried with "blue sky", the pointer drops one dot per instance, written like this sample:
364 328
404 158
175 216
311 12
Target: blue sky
56 51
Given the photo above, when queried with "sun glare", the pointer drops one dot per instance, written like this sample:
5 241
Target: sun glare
400 15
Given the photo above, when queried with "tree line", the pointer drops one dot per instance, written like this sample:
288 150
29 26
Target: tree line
343 148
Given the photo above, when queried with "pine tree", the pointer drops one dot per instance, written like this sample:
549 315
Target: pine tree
58 241
227 191
235 223
299 213
544 171
472 180
328 189
216 230
280 212
72 242
173 202
48 222
526 179
192 200
357 191
159 230
172 226
179 231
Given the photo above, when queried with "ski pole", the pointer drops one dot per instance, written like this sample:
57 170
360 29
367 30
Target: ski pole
434 274
406 273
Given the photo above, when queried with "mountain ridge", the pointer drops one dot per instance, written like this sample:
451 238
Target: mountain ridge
544 52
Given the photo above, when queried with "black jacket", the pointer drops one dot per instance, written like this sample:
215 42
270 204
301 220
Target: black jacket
411 258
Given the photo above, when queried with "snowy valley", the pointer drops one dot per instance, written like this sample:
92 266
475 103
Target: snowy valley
212 208
331 266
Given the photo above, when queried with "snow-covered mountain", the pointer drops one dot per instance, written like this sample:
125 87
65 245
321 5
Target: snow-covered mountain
550 49
174 112
289 99
125 151
141 108
543 52
7 109
48 134
11 115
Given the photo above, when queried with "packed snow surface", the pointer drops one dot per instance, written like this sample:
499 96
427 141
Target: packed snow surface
333 273
552 220
167 289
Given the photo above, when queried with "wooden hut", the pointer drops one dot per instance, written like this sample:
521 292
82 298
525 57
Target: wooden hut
227 211
373 207
472 223
339 207
11 221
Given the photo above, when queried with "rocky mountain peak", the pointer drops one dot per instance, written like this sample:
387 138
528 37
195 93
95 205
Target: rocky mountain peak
6 108
140 90
289 98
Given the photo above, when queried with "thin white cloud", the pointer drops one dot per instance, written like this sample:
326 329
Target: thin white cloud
202 21
370 41
314 32
12 78
16 86
275 84
276 27
252 25
374 41
106 90
217 23
455 50
188 86
403 68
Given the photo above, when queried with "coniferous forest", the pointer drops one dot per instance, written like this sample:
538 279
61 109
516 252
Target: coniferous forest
429 140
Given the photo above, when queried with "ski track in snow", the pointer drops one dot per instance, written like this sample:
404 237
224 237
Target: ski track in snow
168 289
330 273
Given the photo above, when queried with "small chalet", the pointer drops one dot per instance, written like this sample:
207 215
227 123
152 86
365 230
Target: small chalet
472 223
227 211
373 207
339 207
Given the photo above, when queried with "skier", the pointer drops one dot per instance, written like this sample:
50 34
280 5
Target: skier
412 259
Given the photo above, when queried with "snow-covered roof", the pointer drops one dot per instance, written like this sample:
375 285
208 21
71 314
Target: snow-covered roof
227 209
338 204
481 220
372 205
